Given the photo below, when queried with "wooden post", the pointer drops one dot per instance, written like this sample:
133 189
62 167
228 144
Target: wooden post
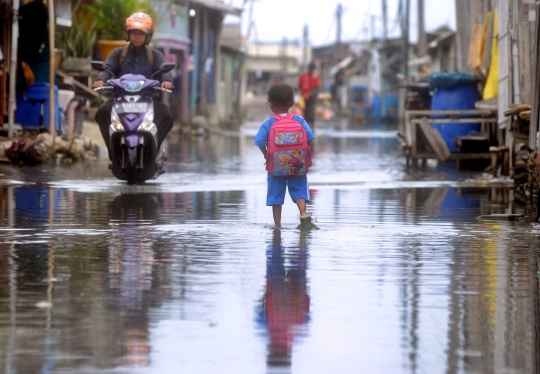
52 101
494 161
533 127
464 26
524 47
185 85
13 67
195 73
217 62
204 58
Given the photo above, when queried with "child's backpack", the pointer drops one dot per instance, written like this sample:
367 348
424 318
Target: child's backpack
289 154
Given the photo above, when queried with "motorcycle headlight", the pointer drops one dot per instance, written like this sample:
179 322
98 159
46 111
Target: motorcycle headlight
117 126
145 125
132 86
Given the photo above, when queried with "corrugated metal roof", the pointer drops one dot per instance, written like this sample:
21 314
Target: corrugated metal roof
219 6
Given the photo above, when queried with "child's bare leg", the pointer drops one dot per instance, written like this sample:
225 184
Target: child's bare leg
276 211
301 206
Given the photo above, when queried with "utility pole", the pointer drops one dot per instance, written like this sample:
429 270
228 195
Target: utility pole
372 26
422 37
406 35
250 23
284 55
306 46
339 17
385 19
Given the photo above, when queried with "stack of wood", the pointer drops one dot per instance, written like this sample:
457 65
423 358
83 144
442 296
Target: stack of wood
38 149
522 119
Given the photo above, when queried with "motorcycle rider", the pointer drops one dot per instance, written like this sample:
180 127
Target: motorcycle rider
135 59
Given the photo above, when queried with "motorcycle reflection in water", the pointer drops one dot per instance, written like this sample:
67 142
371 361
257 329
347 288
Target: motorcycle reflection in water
132 272
285 306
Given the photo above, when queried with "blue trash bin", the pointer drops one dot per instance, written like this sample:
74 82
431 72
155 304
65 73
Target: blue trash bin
33 107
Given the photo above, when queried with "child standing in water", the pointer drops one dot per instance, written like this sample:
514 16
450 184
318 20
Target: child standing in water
280 100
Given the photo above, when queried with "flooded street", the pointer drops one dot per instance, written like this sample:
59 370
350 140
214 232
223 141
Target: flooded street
185 273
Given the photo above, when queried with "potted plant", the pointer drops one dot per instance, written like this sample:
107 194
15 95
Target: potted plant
80 41
109 17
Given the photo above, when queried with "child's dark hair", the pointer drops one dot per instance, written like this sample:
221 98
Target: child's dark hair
281 95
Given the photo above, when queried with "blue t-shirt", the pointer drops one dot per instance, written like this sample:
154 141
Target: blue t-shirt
261 139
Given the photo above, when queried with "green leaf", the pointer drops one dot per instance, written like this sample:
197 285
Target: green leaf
81 38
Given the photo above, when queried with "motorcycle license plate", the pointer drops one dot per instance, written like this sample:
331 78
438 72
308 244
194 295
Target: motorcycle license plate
134 107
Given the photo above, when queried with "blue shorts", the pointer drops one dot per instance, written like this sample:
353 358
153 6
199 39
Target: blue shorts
298 189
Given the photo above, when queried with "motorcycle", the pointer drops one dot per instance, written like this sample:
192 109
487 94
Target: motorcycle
133 133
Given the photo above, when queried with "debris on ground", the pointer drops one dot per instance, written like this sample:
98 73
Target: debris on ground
38 149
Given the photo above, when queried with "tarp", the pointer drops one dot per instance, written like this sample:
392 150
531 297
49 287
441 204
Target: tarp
450 80
341 65
492 83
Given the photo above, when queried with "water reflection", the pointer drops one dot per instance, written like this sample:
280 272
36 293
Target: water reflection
396 280
138 272
285 305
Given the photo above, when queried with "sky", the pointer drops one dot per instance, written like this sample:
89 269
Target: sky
320 16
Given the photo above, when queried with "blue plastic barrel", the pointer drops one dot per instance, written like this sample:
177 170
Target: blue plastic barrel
33 107
460 97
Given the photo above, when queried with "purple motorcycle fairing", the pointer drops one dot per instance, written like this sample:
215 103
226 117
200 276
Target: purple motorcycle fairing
149 83
131 121
132 140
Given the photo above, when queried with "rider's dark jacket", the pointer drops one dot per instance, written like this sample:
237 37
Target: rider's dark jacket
136 63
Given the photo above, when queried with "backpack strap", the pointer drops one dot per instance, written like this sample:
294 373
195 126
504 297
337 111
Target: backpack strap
149 56
123 56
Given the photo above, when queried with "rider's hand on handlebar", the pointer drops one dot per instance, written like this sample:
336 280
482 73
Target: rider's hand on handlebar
99 84
167 85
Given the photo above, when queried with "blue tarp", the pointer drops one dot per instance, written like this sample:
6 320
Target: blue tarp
450 80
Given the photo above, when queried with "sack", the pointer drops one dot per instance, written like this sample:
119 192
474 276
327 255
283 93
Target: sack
289 154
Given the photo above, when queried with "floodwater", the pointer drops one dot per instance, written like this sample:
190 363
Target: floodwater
186 274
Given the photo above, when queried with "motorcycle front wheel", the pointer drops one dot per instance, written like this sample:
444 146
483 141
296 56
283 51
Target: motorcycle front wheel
131 166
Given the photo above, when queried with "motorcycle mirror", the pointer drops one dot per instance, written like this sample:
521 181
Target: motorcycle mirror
165 68
100 65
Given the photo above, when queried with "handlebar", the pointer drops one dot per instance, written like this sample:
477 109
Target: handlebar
162 89
111 88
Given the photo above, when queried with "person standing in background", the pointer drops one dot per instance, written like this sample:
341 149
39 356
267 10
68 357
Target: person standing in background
308 84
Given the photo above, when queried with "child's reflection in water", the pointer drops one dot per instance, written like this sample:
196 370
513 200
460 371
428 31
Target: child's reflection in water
286 300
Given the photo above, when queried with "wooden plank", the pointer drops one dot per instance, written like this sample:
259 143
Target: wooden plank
408 133
525 71
456 156
477 112
456 121
78 84
435 140
488 44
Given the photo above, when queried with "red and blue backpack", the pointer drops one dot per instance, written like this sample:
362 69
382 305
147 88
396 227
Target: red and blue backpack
289 154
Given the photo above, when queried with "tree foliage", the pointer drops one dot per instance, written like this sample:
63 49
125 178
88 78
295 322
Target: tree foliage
110 15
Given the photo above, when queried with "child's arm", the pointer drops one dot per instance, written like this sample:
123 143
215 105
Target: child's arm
264 152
